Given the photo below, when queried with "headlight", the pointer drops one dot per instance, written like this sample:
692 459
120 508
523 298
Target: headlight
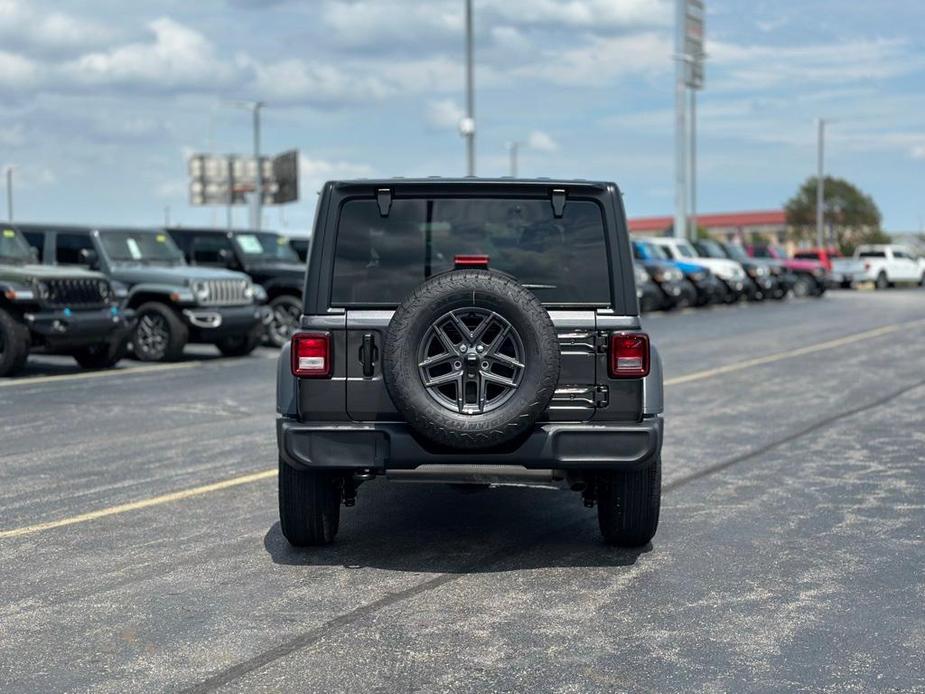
641 275
119 290
248 290
41 290
201 291
103 289
698 276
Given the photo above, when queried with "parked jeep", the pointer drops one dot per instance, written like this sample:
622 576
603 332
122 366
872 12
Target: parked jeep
54 310
266 257
174 303
470 331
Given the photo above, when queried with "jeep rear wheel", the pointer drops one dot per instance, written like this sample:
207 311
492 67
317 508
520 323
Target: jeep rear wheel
628 505
159 334
101 356
240 345
309 505
286 312
14 344
471 359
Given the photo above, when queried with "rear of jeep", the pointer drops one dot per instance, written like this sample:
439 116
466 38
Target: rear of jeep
470 331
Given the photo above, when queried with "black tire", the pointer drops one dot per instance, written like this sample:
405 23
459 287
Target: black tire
240 345
169 345
882 282
14 344
628 505
102 356
846 284
803 287
518 409
922 280
287 310
309 505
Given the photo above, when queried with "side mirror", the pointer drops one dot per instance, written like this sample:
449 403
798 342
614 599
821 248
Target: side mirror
227 258
89 258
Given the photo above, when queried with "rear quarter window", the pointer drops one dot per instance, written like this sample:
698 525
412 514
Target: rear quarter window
379 260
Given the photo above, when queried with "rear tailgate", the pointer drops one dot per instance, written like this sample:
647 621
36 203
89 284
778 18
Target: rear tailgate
848 269
577 398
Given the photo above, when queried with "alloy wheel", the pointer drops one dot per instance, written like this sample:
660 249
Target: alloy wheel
471 360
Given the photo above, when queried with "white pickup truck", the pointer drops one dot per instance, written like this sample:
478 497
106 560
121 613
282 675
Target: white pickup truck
884 265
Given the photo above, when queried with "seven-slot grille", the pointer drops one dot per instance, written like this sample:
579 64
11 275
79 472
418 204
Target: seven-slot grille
75 293
227 292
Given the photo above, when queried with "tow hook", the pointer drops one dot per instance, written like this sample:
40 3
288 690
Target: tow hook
589 495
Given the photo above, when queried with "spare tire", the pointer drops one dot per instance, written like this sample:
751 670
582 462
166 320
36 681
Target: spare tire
471 359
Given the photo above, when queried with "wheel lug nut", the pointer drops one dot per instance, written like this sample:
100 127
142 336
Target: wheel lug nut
480 348
463 348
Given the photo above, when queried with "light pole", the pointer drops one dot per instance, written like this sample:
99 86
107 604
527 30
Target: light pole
9 193
513 148
469 130
820 180
692 165
680 128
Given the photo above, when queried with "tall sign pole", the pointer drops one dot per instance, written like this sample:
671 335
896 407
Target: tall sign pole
692 164
258 185
680 126
9 193
691 62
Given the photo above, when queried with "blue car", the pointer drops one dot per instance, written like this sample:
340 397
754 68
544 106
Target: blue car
704 286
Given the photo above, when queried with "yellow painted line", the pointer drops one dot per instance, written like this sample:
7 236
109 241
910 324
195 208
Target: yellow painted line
139 505
791 353
154 368
128 371
267 474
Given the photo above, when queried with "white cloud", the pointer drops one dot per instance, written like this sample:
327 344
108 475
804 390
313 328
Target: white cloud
621 14
918 152
369 22
17 71
764 67
445 113
542 142
56 32
315 172
600 60
178 57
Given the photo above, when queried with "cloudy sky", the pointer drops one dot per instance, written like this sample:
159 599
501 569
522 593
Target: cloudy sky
100 104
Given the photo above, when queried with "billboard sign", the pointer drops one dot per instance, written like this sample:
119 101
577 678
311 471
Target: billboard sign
220 179
694 15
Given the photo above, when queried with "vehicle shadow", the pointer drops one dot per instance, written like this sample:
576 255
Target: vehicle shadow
435 529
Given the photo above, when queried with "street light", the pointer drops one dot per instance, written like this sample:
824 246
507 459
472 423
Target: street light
9 192
467 125
513 148
820 178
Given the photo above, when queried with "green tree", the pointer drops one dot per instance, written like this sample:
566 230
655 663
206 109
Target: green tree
850 213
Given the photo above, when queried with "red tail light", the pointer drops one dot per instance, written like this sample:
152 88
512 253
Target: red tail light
311 355
467 261
629 355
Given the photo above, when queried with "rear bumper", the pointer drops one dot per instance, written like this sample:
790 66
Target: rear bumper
394 446
65 328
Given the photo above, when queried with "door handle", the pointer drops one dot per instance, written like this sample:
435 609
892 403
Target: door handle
368 355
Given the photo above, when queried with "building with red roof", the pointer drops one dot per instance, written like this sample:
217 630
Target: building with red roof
770 225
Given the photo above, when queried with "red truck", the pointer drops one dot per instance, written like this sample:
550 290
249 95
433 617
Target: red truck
824 256
812 277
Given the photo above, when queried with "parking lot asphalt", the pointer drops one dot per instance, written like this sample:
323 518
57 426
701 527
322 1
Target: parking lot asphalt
140 548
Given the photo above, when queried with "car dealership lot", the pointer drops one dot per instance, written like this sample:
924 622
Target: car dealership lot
790 552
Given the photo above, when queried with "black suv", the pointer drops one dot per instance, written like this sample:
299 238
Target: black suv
470 331
54 310
265 256
174 303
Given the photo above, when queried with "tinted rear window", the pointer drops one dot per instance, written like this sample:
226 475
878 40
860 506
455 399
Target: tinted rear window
379 260
872 254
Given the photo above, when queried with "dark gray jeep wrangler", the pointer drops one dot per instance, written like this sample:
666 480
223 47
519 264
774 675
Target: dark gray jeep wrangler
470 331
